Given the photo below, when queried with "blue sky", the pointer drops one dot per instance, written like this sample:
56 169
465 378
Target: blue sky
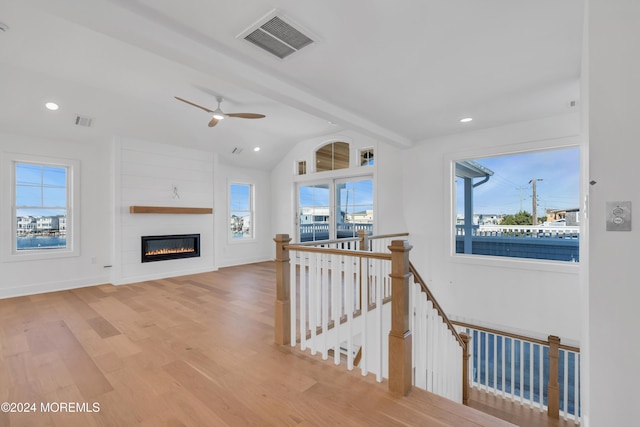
356 196
509 190
240 199
40 186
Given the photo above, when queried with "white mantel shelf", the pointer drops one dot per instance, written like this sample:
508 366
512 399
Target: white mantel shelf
168 210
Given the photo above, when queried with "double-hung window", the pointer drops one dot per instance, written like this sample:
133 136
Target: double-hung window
43 219
241 214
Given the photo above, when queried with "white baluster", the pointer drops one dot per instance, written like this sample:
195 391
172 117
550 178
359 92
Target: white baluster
541 378
495 368
486 361
565 369
503 371
348 301
294 285
531 375
431 345
304 286
576 388
513 367
324 320
336 283
313 298
521 372
364 311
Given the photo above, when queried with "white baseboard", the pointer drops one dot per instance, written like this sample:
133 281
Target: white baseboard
232 263
158 276
45 287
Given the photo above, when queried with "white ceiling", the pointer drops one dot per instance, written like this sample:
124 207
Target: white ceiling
401 72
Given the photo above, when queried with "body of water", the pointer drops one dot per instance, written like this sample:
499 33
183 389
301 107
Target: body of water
41 242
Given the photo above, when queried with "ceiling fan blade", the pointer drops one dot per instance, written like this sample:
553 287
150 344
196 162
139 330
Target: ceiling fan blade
246 115
195 105
213 122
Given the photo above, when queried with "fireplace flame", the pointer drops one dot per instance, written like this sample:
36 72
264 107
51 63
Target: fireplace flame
169 251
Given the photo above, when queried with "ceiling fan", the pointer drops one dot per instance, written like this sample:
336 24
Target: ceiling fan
218 114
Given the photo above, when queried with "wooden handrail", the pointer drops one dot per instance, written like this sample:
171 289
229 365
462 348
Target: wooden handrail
418 279
387 236
364 238
514 336
327 242
359 254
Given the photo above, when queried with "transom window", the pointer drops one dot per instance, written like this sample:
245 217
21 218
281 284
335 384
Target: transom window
332 156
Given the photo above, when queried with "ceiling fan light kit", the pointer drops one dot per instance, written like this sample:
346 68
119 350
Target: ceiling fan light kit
218 114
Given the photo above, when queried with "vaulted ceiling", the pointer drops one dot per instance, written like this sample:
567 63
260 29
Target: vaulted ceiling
400 72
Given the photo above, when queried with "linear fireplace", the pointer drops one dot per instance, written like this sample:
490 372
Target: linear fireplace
161 248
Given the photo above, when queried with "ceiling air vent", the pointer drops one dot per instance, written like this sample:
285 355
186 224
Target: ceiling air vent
276 35
236 150
83 121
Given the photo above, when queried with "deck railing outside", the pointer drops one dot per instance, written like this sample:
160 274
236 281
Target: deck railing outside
523 231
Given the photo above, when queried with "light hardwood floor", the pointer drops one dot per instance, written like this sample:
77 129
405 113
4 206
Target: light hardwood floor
189 351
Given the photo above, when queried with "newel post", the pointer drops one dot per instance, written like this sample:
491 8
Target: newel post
553 391
283 289
400 337
363 244
465 368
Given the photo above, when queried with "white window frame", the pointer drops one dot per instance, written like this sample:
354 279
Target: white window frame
450 207
10 252
331 178
252 212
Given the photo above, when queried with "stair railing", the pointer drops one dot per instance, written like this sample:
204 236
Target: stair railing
327 303
334 300
437 347
543 374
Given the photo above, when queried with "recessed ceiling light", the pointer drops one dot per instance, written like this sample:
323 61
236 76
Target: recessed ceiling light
466 120
256 149
51 106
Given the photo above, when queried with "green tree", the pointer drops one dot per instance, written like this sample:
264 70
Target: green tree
521 218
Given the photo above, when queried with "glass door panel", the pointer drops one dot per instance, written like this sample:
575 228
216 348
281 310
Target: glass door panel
354 207
314 212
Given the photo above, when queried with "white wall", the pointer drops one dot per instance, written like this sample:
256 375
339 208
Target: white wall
261 247
612 368
513 295
411 195
29 277
146 174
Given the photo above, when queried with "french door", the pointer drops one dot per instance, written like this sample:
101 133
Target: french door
335 209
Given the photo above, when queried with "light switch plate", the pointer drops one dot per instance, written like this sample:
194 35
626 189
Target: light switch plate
618 216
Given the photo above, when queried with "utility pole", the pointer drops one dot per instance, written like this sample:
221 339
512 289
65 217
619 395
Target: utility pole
534 202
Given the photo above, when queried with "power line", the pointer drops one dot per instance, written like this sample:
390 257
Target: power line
521 189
